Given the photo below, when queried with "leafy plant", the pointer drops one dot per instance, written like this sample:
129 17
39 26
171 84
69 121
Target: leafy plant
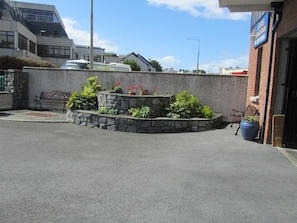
251 118
117 87
113 111
87 99
178 110
187 105
207 112
103 110
141 112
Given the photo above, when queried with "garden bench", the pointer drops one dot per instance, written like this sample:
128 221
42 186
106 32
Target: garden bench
57 97
238 115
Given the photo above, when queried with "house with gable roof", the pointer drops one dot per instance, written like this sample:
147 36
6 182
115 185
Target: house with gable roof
142 62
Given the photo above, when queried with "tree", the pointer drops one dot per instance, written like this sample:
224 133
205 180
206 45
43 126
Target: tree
133 64
110 55
199 71
156 65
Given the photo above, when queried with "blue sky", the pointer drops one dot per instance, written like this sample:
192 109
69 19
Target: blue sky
157 29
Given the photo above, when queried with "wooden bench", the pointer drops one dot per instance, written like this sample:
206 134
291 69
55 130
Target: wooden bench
57 97
237 115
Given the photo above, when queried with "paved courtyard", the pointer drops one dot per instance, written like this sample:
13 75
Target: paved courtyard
60 172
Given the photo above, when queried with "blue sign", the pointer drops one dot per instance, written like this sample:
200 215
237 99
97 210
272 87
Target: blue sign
261 30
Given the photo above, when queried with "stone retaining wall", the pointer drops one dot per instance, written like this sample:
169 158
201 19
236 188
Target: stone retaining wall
149 125
122 102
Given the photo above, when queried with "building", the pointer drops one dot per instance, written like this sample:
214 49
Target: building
83 53
233 71
37 31
272 66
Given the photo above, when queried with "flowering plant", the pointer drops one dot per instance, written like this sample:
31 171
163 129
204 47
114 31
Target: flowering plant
156 91
132 89
117 86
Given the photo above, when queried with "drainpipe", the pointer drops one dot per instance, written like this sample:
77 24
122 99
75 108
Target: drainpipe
277 6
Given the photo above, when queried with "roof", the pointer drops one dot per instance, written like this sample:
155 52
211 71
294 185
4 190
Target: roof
137 56
247 5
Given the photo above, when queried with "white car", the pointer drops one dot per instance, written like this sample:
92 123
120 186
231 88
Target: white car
84 64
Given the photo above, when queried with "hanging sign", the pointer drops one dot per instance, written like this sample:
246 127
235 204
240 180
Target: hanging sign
261 30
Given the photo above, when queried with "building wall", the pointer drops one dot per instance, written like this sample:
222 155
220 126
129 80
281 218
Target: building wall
286 30
221 92
289 20
264 75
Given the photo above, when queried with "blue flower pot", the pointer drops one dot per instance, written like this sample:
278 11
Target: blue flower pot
249 130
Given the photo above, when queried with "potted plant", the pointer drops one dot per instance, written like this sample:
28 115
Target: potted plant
131 90
156 91
142 91
249 127
117 87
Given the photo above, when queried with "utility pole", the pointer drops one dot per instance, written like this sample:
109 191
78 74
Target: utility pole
198 53
91 40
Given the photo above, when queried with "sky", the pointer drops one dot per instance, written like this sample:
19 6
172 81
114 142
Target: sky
159 30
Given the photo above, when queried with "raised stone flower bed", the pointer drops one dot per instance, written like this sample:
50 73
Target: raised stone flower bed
122 102
149 125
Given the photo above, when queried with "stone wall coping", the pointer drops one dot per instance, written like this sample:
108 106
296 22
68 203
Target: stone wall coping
216 116
111 92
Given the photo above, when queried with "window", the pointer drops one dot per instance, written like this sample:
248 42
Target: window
53 51
32 47
6 39
23 42
39 15
82 56
258 71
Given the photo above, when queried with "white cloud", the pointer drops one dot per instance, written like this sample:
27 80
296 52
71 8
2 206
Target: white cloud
200 8
168 62
82 37
213 66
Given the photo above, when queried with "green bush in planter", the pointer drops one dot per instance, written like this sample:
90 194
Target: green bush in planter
207 112
87 98
105 110
187 105
141 112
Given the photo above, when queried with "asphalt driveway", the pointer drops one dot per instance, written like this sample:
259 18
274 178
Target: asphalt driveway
61 172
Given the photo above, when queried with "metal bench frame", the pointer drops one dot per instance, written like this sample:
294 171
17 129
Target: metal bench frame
52 97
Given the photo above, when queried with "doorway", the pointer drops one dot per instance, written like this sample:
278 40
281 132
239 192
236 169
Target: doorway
290 102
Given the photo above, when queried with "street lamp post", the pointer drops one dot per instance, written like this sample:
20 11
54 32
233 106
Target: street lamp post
198 54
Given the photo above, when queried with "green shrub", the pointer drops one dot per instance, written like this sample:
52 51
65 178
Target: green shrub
185 105
141 112
207 112
103 110
9 62
87 99
113 111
